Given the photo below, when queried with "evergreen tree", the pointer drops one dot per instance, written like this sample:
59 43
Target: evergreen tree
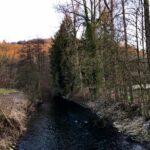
61 58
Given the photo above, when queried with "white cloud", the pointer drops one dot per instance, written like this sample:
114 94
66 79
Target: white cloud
27 19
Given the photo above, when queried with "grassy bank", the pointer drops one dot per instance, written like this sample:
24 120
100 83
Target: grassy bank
7 91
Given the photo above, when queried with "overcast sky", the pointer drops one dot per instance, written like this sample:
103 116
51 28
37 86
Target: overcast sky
27 19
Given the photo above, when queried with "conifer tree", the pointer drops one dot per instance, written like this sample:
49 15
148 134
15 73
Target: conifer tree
61 58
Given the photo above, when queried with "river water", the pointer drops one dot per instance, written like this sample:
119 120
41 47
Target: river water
65 127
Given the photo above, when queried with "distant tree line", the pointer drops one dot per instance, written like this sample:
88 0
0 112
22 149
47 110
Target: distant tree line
28 70
33 69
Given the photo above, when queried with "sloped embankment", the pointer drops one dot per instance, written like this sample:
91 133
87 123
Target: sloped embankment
13 116
134 126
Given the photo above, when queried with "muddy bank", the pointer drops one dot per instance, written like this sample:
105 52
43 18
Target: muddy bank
132 125
13 118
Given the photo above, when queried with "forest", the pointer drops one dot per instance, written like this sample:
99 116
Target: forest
101 48
100 52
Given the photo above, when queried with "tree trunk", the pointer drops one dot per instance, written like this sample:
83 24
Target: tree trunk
147 30
126 50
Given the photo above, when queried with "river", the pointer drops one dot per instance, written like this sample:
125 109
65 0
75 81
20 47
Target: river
63 126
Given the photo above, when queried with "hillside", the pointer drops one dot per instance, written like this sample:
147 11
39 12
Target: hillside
12 50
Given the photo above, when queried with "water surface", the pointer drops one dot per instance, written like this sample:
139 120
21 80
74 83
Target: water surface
66 127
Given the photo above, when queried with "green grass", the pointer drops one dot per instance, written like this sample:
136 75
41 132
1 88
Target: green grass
7 91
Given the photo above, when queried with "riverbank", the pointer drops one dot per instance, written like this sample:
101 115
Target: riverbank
13 117
132 125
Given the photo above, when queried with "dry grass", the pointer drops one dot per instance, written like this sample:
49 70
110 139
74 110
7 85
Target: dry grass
13 116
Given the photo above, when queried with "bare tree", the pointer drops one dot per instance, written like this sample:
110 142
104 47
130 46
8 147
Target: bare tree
147 29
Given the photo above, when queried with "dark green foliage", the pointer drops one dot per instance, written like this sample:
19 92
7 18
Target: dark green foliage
61 58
